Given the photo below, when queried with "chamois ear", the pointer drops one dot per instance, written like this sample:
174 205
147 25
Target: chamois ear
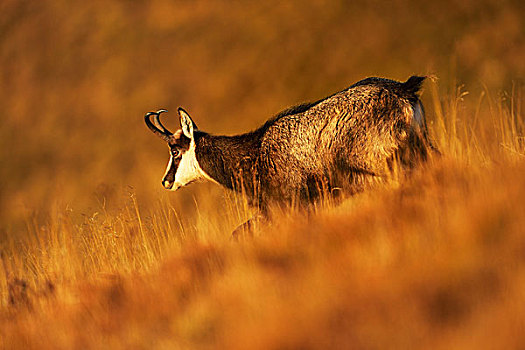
186 123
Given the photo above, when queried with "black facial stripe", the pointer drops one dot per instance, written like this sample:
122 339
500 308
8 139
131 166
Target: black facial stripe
170 175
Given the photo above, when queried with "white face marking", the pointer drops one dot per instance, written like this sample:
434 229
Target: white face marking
189 169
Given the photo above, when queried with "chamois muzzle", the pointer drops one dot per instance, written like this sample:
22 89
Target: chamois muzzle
156 126
167 184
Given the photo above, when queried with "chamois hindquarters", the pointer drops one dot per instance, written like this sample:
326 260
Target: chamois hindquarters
417 146
411 90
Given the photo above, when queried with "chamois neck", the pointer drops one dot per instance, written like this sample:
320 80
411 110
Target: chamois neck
230 160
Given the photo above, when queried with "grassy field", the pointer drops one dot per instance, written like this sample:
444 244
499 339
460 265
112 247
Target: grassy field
94 254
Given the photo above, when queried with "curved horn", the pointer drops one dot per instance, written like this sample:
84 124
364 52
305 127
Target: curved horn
156 126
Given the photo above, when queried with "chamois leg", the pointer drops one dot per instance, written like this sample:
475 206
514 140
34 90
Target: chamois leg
246 229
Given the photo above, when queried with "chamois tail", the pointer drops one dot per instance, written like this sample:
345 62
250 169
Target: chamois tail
412 86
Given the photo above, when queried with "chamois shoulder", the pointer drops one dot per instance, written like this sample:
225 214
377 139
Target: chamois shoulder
297 109
300 108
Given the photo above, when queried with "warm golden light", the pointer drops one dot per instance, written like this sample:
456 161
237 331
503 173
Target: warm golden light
95 253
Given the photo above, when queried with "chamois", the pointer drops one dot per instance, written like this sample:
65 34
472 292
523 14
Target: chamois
309 150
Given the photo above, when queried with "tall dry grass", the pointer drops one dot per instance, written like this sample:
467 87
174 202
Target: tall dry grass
433 260
95 255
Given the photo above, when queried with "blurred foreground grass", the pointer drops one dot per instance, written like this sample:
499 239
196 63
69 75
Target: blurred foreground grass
95 255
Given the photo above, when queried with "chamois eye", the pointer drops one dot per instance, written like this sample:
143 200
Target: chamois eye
175 153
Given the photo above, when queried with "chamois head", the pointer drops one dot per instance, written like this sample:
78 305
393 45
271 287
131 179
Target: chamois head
183 167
